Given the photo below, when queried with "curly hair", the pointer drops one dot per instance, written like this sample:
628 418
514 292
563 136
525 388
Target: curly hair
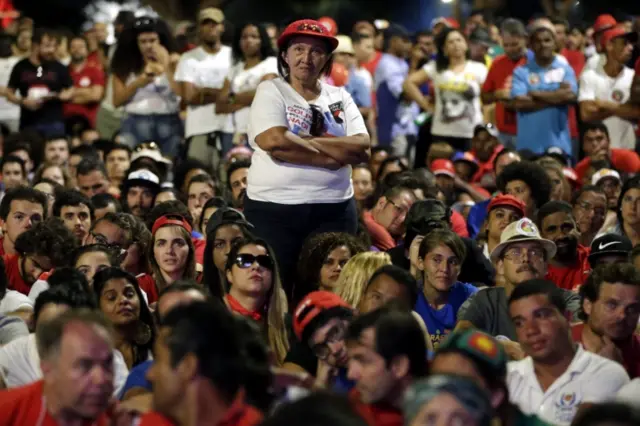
530 173
50 238
140 235
315 250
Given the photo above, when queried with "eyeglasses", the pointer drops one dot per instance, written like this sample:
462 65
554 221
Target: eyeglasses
516 255
311 27
401 210
335 334
245 261
600 211
317 121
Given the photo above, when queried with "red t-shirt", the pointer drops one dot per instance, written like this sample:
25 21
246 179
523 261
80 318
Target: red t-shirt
576 59
630 350
24 406
88 76
501 69
376 414
239 414
148 284
199 244
2 252
380 237
623 160
14 279
458 224
571 278
372 64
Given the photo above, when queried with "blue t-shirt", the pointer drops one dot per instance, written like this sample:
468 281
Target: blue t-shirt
542 129
391 73
357 88
137 378
342 384
440 322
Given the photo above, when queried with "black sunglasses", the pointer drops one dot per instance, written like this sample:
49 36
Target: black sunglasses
245 261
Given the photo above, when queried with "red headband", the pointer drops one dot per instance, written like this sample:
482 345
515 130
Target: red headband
171 220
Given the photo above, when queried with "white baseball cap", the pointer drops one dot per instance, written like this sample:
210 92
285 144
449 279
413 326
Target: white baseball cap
604 173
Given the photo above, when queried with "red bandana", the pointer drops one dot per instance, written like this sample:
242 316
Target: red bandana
236 307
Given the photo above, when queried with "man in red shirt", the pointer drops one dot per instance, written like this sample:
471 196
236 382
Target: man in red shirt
575 57
194 376
497 86
387 352
76 356
569 267
88 83
40 249
20 209
596 146
385 222
610 310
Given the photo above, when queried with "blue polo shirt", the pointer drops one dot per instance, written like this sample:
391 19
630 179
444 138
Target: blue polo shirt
539 130
440 322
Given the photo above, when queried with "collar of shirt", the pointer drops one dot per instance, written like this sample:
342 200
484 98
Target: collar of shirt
578 364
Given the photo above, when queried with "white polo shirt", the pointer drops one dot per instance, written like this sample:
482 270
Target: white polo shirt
590 378
598 85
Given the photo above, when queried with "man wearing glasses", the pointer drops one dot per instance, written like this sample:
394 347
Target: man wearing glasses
521 255
589 210
385 222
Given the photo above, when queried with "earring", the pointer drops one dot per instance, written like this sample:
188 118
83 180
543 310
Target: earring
143 334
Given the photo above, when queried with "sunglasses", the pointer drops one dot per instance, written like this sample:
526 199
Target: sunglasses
245 261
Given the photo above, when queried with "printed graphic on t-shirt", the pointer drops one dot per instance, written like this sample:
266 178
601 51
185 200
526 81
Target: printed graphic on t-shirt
438 337
456 99
566 406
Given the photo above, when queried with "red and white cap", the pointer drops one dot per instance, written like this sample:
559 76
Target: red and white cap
443 166
603 174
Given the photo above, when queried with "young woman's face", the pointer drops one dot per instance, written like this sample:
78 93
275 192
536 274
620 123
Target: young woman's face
92 262
225 237
170 249
147 43
521 191
250 41
332 266
441 268
455 45
631 207
252 273
55 174
119 302
306 56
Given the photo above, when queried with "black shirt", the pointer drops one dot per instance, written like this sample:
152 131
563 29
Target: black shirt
476 268
37 81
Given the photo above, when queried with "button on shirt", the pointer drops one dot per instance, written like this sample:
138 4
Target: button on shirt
544 128
590 378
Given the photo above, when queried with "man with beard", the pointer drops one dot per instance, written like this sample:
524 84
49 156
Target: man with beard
76 211
139 192
610 310
557 377
237 180
521 255
88 83
39 84
385 222
201 73
590 211
569 268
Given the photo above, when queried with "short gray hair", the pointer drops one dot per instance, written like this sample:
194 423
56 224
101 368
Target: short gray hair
49 333
513 27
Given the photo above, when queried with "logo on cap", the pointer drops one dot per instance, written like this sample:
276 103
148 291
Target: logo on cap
484 344
604 246
528 228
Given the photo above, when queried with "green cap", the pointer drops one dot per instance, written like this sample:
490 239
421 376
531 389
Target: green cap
479 346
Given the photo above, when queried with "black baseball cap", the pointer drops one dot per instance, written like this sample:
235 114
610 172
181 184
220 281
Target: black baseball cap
558 154
226 216
489 128
481 36
397 30
609 245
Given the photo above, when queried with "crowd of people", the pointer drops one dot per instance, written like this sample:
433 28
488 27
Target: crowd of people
253 224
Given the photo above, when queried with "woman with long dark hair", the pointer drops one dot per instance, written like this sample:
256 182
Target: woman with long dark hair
143 67
628 212
254 61
306 134
120 299
457 81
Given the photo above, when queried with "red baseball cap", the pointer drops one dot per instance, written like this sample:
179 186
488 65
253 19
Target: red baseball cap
313 305
604 22
307 27
171 220
618 31
505 200
443 166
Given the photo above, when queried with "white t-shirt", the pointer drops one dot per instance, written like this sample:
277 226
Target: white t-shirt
630 393
204 70
14 300
8 111
458 109
595 62
366 76
277 104
156 97
20 364
245 80
596 84
590 378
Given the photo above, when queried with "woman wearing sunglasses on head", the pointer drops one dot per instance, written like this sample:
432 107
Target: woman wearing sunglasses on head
143 66
171 255
306 135
255 291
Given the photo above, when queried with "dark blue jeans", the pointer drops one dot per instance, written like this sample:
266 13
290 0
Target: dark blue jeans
164 129
286 227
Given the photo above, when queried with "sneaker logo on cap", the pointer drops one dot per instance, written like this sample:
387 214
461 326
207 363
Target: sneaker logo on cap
604 246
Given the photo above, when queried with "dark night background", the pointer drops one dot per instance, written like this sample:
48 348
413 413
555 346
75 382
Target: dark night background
415 14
